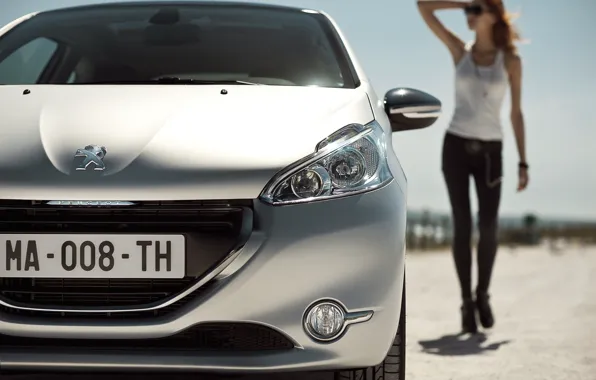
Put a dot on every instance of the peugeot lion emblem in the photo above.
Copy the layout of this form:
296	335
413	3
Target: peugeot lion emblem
92	156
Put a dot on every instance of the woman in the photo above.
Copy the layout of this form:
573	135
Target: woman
484	69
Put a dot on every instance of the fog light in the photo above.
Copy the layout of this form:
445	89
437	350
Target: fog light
325	321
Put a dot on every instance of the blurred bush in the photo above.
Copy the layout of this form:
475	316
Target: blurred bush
434	231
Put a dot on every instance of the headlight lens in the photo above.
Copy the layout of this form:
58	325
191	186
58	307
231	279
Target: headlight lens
351	160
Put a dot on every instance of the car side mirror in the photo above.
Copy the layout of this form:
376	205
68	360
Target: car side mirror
408	109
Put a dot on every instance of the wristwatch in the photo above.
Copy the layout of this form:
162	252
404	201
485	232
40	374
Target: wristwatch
523	165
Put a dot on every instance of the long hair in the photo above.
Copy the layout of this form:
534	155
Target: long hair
505	35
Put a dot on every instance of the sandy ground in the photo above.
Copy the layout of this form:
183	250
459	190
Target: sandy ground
545	309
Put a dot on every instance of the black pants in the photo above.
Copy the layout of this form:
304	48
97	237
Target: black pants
464	158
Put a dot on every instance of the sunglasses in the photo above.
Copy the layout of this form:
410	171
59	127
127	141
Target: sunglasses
475	10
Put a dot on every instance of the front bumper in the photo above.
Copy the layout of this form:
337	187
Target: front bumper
350	250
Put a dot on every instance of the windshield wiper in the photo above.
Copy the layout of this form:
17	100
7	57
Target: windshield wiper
177	80
173	80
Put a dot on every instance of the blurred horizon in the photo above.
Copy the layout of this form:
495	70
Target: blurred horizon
396	49
505	220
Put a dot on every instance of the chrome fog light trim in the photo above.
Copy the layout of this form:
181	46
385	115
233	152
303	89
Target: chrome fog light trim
327	320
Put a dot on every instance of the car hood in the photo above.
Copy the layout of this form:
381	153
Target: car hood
162	142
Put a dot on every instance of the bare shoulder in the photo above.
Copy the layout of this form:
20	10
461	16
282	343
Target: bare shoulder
513	62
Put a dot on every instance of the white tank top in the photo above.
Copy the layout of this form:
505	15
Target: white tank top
479	94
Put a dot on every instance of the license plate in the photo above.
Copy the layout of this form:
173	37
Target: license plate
92	256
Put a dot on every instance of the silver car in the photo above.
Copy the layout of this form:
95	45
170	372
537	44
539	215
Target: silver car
199	186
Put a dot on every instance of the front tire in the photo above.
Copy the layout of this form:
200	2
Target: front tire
394	365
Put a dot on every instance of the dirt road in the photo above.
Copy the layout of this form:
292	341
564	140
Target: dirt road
545	306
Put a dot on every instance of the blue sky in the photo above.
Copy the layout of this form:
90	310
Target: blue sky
396	49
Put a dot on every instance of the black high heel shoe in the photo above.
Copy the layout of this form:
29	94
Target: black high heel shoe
468	317
485	312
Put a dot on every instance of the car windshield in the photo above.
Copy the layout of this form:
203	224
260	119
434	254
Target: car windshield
181	43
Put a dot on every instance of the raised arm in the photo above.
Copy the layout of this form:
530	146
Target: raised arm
427	10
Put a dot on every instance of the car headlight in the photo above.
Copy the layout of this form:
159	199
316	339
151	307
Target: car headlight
350	161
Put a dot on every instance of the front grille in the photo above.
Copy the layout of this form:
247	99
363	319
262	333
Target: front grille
90	292
141	314
203	337
212	230
221	217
